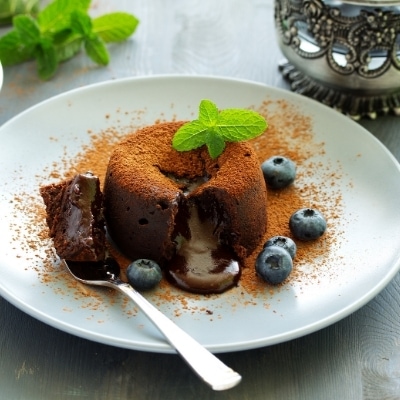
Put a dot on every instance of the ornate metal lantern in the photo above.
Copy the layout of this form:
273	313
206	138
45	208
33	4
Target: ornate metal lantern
345	54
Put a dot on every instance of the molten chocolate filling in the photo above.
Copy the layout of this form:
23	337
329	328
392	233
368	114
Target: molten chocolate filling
75	218
201	264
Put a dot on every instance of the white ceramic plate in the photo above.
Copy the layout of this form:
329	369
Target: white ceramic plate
365	258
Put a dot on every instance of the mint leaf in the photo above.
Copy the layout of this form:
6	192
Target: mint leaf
96	50
28	29
214	128
215	144
68	45
46	59
115	27
40	47
190	136
81	23
56	15
11	8
237	125
208	113
13	51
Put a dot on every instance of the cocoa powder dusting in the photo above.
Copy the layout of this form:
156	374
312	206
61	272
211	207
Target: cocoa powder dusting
289	134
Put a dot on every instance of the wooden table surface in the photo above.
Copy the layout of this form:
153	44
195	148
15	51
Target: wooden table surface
356	358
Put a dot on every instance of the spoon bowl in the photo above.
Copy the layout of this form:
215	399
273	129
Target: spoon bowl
208	367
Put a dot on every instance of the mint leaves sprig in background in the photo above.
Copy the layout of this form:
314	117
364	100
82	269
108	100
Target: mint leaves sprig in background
59	32
213	128
11	8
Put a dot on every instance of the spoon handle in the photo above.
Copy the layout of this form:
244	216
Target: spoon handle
213	371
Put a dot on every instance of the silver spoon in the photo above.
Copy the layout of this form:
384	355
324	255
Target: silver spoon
213	371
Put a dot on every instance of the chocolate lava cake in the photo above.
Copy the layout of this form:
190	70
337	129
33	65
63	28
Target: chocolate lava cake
74	215
150	189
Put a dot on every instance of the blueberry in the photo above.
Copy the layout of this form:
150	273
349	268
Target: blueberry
307	224
144	274
285	242
274	264
278	172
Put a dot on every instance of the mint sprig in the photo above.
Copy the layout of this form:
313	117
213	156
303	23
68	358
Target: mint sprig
59	32
11	8
214	128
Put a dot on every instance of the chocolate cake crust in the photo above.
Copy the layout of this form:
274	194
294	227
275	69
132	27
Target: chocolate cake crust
146	187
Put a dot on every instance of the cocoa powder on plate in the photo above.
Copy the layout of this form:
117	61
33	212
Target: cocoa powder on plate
290	134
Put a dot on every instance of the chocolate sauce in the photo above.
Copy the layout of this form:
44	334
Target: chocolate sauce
80	202
201	263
